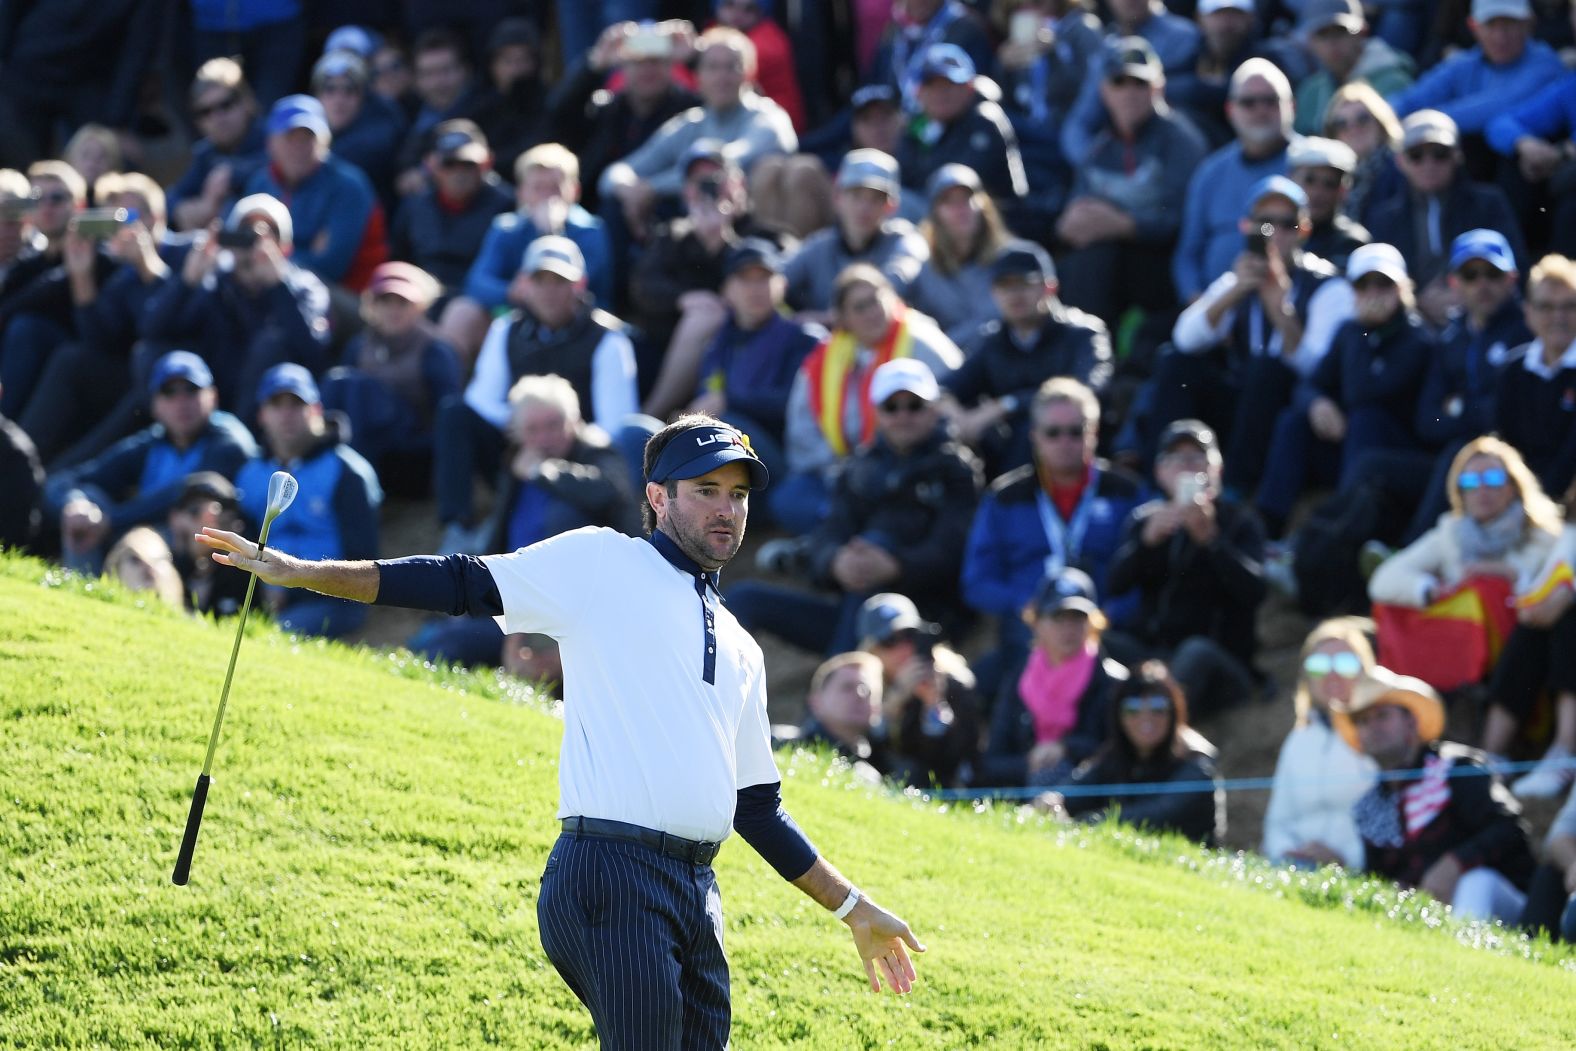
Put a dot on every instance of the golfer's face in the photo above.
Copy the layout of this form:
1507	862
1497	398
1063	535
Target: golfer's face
707	516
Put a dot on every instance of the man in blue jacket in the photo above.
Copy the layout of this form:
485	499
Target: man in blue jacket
1064	509
335	514
1536	134
138	480
547	196
1472	87
339	225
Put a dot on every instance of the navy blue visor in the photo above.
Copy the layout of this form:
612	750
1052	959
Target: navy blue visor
702	450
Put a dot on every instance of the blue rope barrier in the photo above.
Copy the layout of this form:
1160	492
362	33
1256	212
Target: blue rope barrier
1237	784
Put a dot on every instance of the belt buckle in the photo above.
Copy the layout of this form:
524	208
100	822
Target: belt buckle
705	852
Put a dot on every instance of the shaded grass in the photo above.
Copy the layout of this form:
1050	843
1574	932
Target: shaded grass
368	868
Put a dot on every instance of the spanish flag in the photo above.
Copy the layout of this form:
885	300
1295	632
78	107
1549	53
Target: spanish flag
1559	577
1455	640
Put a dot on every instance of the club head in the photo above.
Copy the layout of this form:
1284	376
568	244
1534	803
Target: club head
282	489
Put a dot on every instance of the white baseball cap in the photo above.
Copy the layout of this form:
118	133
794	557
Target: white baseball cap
555	255
1377	259
904	374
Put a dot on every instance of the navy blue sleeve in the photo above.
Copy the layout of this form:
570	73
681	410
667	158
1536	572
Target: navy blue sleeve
452	584
760	818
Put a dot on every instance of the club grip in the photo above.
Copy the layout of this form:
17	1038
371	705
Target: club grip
183	863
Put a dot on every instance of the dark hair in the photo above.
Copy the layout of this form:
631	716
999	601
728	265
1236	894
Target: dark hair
1149	679
440	39
654	446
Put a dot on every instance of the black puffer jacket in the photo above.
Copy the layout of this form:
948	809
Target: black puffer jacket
917	506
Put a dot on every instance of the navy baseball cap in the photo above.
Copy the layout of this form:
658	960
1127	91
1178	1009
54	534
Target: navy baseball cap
1487	245
947	62
1276	186
179	365
288	378
753	251
1021	259
885	615
1133	56
701	450
461	140
871	94
1071	589
299	111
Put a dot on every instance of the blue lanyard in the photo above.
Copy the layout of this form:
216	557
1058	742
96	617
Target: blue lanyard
1066	539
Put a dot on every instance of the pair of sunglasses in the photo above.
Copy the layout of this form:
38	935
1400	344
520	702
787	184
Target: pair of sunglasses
1492	478
1139	705
1346	665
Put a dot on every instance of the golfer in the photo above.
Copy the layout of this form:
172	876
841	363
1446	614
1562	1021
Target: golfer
665	747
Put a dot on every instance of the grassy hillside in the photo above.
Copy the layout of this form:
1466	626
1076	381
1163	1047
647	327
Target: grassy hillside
369	860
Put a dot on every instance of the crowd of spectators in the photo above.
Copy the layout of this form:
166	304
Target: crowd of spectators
1068	330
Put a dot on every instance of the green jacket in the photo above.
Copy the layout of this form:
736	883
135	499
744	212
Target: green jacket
1384	68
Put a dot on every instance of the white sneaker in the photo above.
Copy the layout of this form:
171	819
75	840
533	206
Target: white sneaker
1549	778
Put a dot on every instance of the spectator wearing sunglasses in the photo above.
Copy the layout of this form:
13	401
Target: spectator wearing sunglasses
1052	710
1064	508
1318	776
1323	168
1361	397
1259	108
1460	390
1238	352
367	128
1537	395
1440	204
1149	743
230	150
1336	33
1500	524
897	521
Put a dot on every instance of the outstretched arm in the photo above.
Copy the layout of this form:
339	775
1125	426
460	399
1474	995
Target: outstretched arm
357	581
883	940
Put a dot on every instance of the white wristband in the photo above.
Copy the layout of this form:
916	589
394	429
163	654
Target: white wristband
848	903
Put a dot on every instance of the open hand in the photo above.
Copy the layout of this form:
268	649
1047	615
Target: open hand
883	942
232	549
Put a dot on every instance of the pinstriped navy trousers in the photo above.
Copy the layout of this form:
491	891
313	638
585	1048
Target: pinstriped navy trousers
637	936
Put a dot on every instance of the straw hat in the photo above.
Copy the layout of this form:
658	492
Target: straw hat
1383	686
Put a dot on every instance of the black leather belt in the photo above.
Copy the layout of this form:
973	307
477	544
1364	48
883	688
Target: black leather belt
696	852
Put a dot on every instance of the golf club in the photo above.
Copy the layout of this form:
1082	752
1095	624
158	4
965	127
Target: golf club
282	489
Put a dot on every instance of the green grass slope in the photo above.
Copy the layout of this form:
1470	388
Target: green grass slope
368	867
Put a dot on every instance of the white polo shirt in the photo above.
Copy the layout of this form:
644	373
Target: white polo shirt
646	739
